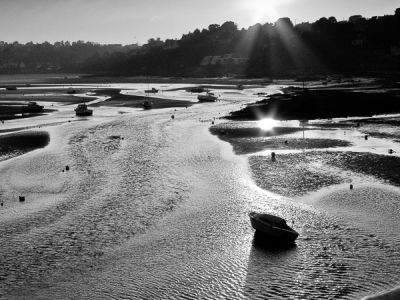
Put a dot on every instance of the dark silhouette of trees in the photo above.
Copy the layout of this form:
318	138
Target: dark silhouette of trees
358	45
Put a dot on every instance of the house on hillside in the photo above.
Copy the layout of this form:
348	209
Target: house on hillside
226	59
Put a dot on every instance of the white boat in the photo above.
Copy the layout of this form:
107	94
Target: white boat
273	228
82	110
209	97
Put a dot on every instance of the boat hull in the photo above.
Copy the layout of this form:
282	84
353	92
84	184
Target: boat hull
271	232
84	113
37	109
147	105
203	98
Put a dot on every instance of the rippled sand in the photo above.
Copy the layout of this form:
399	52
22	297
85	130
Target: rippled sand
154	207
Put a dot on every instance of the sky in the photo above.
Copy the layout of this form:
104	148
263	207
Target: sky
135	21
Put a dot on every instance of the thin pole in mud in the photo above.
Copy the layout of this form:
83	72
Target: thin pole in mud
304	147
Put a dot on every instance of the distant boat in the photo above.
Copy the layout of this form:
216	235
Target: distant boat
273	228
11	88
71	91
147	105
240	87
152	91
197	89
209	97
33	107
82	110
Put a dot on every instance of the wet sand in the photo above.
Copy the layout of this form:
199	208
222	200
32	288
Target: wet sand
162	213
325	103
247	140
15	144
311	170
117	99
294	175
12	102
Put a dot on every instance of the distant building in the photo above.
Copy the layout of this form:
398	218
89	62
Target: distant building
226	59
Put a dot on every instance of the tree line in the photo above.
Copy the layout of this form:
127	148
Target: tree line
357	45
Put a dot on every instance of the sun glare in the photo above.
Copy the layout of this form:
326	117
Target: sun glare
263	10
267	124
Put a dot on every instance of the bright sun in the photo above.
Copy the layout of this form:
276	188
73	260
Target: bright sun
267	124
263	10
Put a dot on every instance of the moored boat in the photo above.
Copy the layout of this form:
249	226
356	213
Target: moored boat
33	107
209	97
147	105
82	110
273	228
152	91
197	89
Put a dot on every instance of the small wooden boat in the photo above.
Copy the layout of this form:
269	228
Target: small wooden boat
33	107
273	228
209	97
152	91
197	89
147	105
82	110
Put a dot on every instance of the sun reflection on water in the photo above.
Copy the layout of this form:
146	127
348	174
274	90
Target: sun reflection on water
267	124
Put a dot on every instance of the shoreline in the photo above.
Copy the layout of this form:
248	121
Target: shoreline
133	101
324	103
392	294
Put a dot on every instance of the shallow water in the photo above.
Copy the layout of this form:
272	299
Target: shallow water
157	208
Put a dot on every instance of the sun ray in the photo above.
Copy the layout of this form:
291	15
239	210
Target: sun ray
263	10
